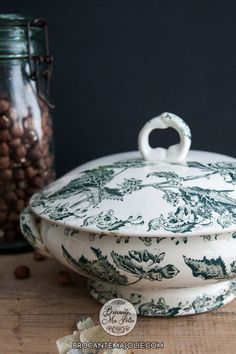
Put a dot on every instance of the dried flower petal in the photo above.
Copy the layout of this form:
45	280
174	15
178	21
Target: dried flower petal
94	334
74	351
84	323
87	332
64	344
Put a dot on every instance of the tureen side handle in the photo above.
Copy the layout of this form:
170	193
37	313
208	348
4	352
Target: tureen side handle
30	229
174	153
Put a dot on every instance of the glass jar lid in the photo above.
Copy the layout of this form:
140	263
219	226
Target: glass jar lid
155	193
26	39
21	36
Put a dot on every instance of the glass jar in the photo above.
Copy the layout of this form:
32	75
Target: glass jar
26	149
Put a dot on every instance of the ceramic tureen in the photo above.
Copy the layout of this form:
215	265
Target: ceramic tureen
156	227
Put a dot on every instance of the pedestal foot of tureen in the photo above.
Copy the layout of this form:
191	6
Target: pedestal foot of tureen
167	302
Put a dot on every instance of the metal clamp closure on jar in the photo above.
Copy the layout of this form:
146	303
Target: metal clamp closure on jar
36	61
26	38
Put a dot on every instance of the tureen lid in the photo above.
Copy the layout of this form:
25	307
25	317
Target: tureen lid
158	193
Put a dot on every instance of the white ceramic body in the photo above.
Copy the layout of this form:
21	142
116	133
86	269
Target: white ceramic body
147	242
161	276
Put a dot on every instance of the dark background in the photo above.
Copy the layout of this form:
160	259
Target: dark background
120	63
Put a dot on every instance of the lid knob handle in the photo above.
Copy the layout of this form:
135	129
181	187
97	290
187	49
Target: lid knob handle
174	153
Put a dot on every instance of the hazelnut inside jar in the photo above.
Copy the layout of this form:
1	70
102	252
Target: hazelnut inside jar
26	147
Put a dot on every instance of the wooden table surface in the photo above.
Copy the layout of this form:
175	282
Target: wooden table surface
35	312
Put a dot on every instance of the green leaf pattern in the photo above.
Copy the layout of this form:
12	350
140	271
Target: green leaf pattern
213	268
107	221
98	268
192	206
145	265
160	307
142	264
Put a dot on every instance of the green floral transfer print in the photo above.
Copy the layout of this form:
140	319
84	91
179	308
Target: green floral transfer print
200	206
233	267
184	127
99	267
145	265
200	304
160	307
124	239
92	184
213	268
192	206
100	293
226	169
148	241
107	221
25	227
30	228
142	264
103	295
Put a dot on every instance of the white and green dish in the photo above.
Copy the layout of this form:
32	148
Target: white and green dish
156	227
